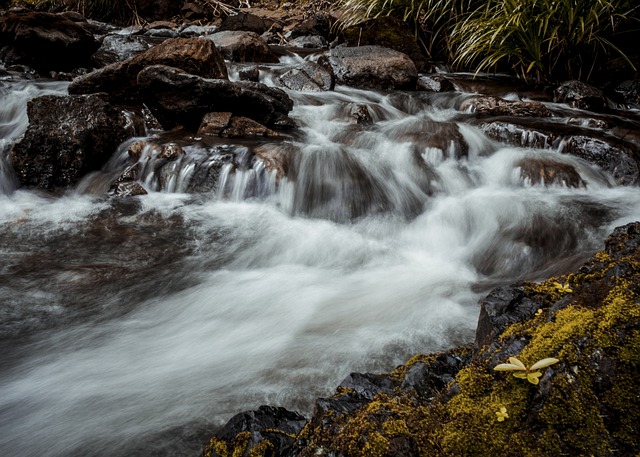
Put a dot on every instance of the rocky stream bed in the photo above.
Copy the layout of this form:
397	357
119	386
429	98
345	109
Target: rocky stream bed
206	217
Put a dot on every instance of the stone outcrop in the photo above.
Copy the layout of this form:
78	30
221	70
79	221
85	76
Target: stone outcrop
371	67
309	76
456	403
496	106
197	56
578	94
164	90
67	137
45	41
240	46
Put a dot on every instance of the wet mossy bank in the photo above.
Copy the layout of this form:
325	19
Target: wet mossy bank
456	404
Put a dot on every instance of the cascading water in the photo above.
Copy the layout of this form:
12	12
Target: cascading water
135	326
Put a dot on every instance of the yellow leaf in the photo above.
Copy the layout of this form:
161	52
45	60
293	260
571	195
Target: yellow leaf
543	363
517	362
508	367
533	377
521	375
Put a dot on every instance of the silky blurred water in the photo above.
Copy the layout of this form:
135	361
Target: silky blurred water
136	326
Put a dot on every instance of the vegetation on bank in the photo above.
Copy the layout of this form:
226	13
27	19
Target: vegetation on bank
540	40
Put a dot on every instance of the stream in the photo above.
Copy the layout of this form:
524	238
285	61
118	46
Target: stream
136	326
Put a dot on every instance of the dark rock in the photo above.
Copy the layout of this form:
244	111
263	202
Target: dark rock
206	176
502	307
127	189
277	158
241	46
308	76
164	90
319	24
243	127
611	155
251	73
389	32
371	67
151	10
214	123
73	16
629	92
192	31
45	41
309	42
197	56
116	48
429	379
277	426
171	151
359	114
67	137
247	22
618	160
580	95
435	83
549	172
494	106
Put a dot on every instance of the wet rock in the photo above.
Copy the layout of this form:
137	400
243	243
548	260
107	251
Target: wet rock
164	88
67	137
318	24
629	92
243	127
308	76
192	31
206	176
127	189
616	157
251	73
197	56
276	426
549	172
618	160
116	48
371	67
427	379
435	83
580	95
45	41
309	42
389	32
359	114
277	158
171	151
214	123
240	46
495	106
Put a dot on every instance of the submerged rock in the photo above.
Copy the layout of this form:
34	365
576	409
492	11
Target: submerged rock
549	172
67	137
495	106
45	41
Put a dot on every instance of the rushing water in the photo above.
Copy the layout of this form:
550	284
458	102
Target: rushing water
135	326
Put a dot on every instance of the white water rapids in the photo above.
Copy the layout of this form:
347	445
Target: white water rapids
136	327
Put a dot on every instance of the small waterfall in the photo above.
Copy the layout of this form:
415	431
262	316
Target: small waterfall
14	120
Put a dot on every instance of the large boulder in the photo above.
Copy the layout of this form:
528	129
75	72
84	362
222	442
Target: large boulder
45	41
578	94
67	137
308	76
240	46
116	48
371	67
389	32
179	98
197	56
496	106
